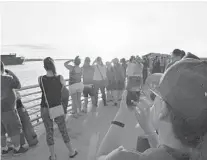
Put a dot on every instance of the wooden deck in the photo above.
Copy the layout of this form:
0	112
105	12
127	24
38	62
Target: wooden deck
80	131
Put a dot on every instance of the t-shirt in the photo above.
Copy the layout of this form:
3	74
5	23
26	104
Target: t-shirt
161	153
88	72
8	95
134	69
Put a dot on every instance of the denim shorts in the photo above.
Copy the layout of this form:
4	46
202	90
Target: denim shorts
88	90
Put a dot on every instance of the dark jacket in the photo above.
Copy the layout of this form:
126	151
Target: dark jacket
8	95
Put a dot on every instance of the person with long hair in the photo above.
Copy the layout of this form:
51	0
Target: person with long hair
119	82
130	67
88	72
51	85
75	85
111	79
100	79
124	65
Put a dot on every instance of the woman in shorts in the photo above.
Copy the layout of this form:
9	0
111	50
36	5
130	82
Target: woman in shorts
75	84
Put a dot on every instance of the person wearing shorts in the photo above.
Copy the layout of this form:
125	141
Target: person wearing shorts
111	79
75	85
119	82
100	80
89	90
10	122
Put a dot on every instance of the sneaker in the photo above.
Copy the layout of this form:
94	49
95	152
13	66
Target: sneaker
20	151
4	152
50	158
74	155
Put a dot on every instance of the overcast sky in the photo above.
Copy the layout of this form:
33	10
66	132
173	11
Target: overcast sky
108	29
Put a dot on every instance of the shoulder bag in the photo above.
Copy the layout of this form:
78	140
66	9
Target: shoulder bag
104	80
56	111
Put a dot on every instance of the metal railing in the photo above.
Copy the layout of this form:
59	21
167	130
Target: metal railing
34	98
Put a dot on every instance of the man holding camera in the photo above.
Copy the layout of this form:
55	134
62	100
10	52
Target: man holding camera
10	122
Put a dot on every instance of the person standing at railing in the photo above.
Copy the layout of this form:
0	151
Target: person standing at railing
10	122
75	85
100	79
88	72
111	79
119	82
51	86
28	130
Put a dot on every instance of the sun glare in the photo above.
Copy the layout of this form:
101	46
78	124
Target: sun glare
107	36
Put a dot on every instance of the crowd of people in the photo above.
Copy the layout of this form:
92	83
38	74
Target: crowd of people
172	104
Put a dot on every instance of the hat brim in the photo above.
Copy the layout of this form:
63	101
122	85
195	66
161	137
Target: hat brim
156	92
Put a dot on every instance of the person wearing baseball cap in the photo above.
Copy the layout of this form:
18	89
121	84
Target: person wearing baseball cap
181	100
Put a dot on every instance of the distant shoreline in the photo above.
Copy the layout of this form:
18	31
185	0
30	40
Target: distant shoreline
39	59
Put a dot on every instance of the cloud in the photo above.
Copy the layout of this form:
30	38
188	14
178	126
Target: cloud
31	46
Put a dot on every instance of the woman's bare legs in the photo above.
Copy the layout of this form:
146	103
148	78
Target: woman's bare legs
74	103
78	101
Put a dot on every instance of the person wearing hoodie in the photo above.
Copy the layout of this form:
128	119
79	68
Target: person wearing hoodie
10	122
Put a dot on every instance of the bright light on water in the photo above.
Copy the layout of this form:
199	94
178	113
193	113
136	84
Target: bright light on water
29	72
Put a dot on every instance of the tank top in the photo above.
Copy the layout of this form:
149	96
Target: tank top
74	77
53	90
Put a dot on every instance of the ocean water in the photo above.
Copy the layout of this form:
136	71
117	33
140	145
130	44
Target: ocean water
28	74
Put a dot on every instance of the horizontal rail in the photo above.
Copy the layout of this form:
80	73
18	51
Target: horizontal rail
31	100
34	112
28	94
37	120
28	87
32	86
33	106
39	117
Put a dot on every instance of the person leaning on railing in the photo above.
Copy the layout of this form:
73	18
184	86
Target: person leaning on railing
10	122
181	103
51	85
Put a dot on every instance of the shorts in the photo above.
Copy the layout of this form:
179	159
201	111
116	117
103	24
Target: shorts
76	87
10	123
89	90
118	85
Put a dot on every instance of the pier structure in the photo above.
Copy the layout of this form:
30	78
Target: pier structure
81	130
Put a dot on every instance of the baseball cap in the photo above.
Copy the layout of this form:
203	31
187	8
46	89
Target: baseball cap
184	88
190	55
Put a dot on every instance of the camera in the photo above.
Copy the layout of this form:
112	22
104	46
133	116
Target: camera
133	88
132	96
